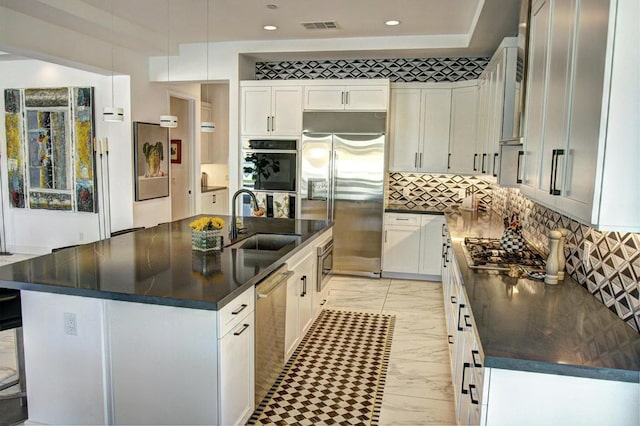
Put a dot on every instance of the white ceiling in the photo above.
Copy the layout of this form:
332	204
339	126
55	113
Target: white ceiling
142	25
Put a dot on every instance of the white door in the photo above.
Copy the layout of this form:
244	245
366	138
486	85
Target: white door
463	136
436	107
401	249
255	110
374	98
405	129
180	144
286	110
236	373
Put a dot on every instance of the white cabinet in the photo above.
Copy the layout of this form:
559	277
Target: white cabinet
412	245
499	112
267	110
581	132
300	292
363	95
235	371
215	202
419	126
207	151
463	133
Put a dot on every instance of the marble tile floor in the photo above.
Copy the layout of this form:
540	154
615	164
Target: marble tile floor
418	389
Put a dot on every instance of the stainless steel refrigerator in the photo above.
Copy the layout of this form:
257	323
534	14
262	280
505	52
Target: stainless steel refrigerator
342	179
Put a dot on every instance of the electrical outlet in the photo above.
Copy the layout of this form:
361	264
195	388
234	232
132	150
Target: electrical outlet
70	324
586	255
406	192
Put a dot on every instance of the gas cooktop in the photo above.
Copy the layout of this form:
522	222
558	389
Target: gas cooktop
485	253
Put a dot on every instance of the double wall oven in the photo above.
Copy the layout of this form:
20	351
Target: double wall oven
270	169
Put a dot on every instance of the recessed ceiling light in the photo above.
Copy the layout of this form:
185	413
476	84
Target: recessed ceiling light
392	23
270	27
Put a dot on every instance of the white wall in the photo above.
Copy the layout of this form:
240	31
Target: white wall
38	231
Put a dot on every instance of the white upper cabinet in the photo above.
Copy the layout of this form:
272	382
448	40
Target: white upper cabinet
270	110
498	107
419	126
583	103
361	95
464	130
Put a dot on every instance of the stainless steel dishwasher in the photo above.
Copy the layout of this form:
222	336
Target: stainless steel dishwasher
271	308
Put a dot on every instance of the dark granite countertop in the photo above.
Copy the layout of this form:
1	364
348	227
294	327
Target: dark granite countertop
204	189
157	266
524	324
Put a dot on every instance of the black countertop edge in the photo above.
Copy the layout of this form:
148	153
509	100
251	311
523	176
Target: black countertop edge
408	211
211	188
588	372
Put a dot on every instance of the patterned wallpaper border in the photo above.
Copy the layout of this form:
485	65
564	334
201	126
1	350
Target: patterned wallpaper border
396	70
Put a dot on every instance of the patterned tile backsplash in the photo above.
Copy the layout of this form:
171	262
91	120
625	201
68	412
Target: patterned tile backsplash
396	70
614	273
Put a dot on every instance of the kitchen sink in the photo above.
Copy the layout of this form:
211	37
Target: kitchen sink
268	242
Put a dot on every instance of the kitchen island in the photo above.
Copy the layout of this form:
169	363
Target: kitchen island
526	352
139	328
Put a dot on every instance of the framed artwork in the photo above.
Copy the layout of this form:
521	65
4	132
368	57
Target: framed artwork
176	151
151	160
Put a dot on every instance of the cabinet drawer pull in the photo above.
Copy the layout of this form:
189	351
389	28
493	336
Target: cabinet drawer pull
449	161
460	306
240	309
444	229
446	256
304	286
475	157
466	321
402	219
464	368
239	332
518	178
495	157
473	357
449	337
444	246
472	388
482	168
555	154
453	300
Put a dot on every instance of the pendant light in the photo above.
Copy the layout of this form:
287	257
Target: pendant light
207	126
168	120
112	113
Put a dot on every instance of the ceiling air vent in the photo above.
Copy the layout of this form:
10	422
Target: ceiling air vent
323	25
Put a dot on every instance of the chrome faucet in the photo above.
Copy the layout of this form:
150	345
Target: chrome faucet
233	234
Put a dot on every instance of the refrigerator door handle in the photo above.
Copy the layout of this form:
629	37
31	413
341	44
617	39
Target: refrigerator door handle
334	168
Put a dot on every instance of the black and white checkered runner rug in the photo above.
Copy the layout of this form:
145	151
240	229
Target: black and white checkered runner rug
336	376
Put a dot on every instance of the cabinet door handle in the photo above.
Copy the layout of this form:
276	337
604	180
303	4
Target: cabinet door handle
443	249
239	332
346	95
268	124
518	178
473	357
304	286
446	255
273	123
460	307
420	160
342	101
240	309
482	170
466	321
475	157
449	161
213	199
449	337
453	299
444	228
464	368
472	387
385	235
555	154
415	161
495	157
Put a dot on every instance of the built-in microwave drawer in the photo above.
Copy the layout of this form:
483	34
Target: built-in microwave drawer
401	219
230	315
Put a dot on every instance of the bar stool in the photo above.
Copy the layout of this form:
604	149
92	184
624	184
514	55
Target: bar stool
11	318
